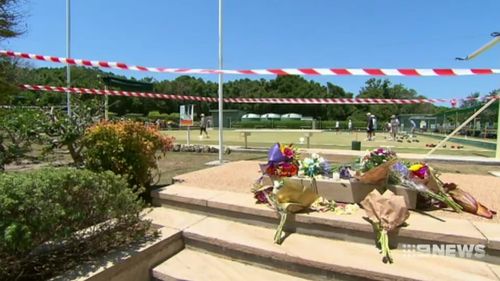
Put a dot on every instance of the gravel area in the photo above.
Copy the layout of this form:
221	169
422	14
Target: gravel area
240	176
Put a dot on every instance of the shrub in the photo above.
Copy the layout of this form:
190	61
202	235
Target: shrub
174	117
44	212
20	128
127	148
68	131
135	117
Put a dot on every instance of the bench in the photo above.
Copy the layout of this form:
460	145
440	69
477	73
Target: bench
307	133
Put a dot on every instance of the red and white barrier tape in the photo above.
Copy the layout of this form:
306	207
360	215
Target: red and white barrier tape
282	71
232	100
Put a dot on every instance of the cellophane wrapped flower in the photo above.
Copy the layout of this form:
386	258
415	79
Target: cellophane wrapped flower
282	161
375	158
420	178
314	166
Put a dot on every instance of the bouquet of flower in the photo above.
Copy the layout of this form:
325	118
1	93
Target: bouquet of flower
420	178
386	212
314	166
282	161
468	202
375	158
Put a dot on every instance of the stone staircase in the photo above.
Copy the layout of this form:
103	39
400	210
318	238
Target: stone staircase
227	236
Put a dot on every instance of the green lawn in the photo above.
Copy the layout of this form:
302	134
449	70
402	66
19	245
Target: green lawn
329	140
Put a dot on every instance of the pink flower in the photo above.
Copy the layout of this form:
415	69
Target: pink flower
288	152
261	195
421	172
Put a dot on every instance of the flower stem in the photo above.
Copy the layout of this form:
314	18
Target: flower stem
278	239
445	199
384	245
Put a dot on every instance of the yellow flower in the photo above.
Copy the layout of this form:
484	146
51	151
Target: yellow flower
415	167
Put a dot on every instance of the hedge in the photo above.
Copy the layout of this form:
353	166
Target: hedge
44	213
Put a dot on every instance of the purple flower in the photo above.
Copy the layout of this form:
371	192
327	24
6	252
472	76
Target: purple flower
344	173
401	169
275	154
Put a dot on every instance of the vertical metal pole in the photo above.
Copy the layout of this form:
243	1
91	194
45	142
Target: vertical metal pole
68	55
106	116
221	120
497	156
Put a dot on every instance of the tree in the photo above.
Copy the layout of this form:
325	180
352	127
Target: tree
20	128
68	131
471	100
376	88
10	19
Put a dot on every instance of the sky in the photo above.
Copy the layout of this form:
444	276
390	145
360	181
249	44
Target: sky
261	34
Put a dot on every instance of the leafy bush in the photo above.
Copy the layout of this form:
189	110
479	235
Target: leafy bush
174	116
68	131
20	129
126	148
135	117
154	115
53	219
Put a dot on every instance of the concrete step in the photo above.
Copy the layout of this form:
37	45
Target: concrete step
421	229
318	258
190	264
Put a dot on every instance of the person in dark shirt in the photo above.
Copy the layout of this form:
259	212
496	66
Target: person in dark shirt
203	126
369	127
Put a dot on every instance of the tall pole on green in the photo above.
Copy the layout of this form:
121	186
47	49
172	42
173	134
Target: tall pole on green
497	155
221	120
68	55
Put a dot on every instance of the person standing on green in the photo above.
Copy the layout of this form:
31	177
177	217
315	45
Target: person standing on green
394	127
203	126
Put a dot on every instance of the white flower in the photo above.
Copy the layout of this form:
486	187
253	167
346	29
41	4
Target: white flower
315	156
308	161
276	186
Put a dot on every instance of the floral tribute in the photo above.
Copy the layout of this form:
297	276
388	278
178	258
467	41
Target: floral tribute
380	167
288	195
425	180
386	212
374	168
314	166
282	161
420	178
375	158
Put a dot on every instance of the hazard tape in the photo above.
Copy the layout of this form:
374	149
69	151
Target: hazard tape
281	71
237	100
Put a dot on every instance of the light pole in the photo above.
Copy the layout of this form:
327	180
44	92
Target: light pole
221	120
68	54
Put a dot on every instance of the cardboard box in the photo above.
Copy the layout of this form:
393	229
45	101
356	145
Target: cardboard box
352	191
410	195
